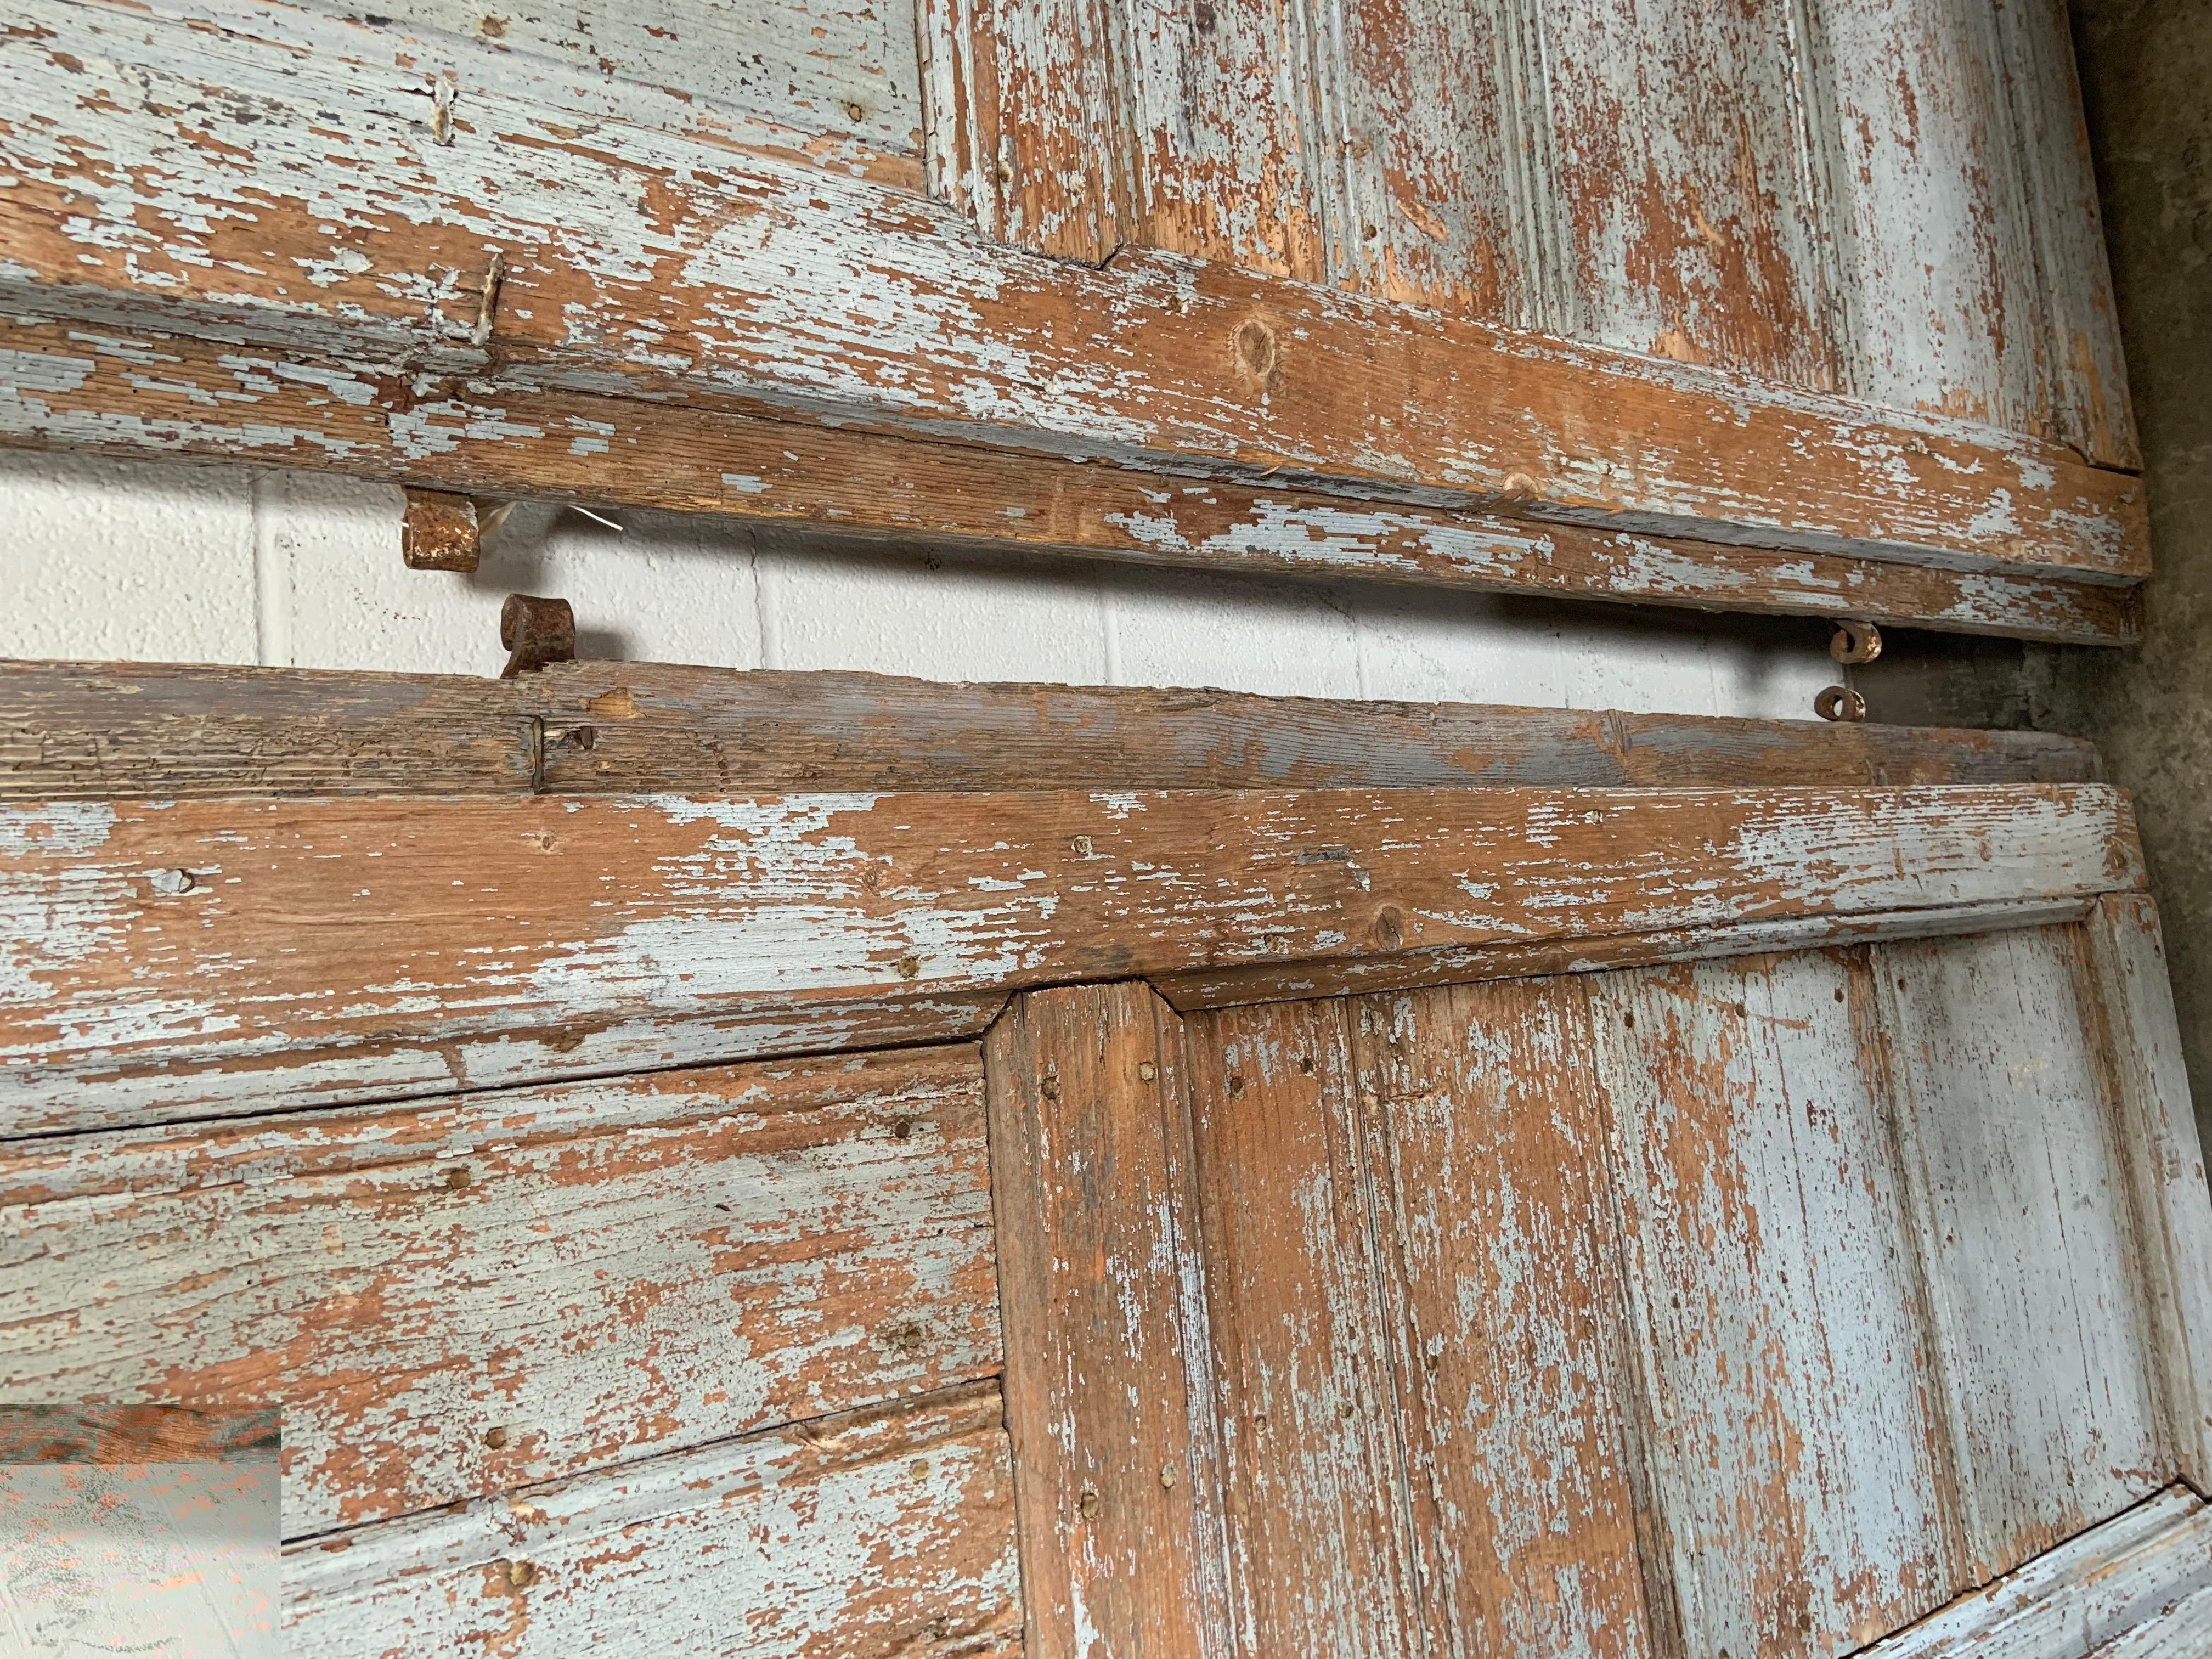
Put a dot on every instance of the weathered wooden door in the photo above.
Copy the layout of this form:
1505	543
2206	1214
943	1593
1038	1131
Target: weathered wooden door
1748	1306
1353	1220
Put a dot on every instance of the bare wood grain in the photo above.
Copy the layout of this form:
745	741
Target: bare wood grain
167	731
631	260
1322	1548
2021	1212
2126	1574
2155	1136
1109	1409
91	390
885	1532
175	731
218	957
1801	1471
450	1302
1486	1148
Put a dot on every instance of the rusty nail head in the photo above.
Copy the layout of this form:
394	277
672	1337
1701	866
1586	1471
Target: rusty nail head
521	1574
494	1439
1167	1475
1089	1501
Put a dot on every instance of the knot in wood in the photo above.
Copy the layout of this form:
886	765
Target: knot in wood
1257	354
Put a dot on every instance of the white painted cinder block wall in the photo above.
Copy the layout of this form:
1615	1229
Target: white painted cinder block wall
127	560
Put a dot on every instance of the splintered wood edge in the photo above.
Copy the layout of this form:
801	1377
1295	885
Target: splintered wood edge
1132	363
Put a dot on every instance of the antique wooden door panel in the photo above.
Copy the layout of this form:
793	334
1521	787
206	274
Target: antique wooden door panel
1792	1448
456	1298
1370	1221
611	1295
1107	1407
1519	295
2006	1132
1757	1305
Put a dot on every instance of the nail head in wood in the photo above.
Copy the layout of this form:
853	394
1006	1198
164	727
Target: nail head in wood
439	531
536	631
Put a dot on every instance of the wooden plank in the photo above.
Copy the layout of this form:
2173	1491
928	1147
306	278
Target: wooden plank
709	732
886	1532
108	730
2141	1058
1975	275
1226	988
1321	1551
94	389
1437	206
1800	1470
136	1434
167	731
1108	1402
1485	1149
1023	125
1690	227
2020	1210
211	958
457	1300
836	80
625	264
2084	367
2182	1631
2087	1592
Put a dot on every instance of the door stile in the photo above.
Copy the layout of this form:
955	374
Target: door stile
1109	1403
